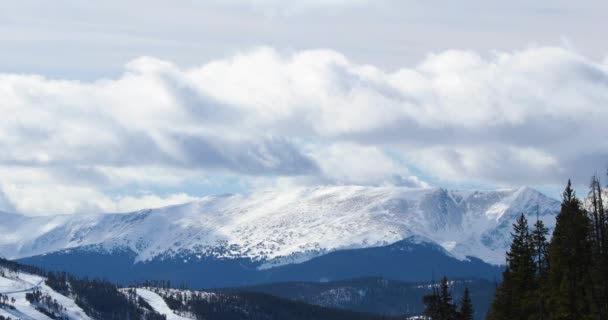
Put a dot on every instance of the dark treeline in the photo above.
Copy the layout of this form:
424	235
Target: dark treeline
163	284
439	304
245	305
565	278
15	266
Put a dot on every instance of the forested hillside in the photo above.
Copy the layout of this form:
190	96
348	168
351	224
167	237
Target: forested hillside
566	277
31	293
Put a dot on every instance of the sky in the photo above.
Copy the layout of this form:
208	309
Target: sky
116	106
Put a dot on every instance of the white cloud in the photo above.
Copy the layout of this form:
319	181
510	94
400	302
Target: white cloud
5	203
47	200
506	166
133	203
360	164
534	116
35	199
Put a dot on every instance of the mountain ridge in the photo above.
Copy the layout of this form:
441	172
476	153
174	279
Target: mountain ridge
291	226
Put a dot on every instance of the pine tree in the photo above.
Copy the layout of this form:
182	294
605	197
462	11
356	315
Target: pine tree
540	247
503	299
439	305
568	280
447	309
513	298
599	239
431	304
466	306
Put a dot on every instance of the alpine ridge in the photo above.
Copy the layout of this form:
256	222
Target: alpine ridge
291	226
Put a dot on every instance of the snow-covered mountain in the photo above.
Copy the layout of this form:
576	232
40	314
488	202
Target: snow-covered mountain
15	285
283	227
28	293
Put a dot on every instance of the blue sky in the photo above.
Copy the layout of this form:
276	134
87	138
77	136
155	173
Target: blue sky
119	106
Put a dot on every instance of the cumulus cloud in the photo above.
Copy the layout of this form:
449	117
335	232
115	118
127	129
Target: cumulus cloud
535	116
459	115
347	163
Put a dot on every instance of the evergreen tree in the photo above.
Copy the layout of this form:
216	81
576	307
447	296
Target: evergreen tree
503	299
514	296
439	305
568	280
431	304
447	309
466	306
599	251
540	247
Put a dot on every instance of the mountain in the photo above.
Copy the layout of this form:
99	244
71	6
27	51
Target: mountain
30	293
378	295
407	260
275	230
16	285
180	304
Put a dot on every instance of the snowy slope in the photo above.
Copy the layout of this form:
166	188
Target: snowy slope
280	227
17	284
158	304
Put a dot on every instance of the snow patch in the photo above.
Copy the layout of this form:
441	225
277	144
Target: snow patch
158	304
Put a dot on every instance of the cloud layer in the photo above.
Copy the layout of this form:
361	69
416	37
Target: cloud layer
535	116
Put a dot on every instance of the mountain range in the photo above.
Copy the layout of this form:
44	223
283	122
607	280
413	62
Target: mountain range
300	234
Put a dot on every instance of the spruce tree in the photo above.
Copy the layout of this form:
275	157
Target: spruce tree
599	251
447	309
431	304
540	247
513	298
439	305
466	306
568	280
500	309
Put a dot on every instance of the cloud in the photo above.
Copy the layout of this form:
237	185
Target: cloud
531	116
133	203
348	163
494	166
278	7
43	199
5	203
135	120
535	116
46	200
